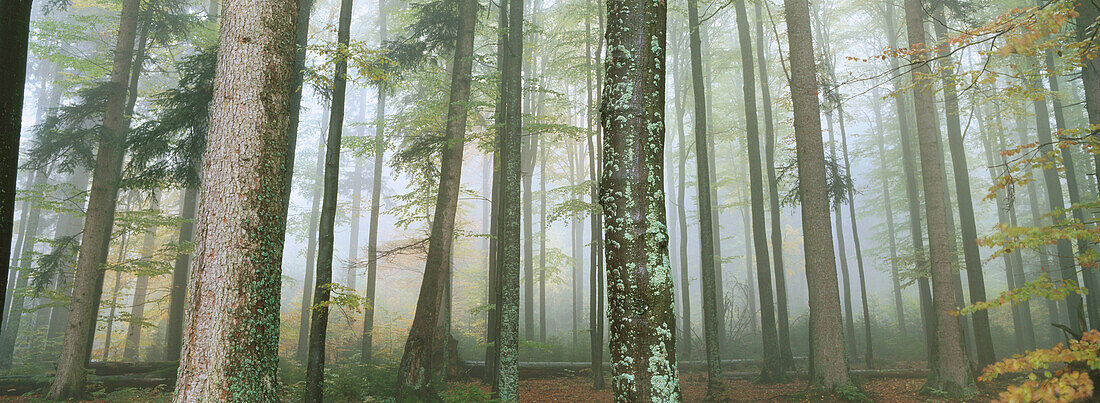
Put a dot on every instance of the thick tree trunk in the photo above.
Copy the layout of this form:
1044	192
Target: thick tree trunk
772	368
640	286
785	355
318	329
15	18
949	370
367	344
232	317
141	287
99	218
975	279
304	315
178	295
420	367
829	367
711	320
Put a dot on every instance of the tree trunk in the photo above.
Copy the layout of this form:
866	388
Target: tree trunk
577	286
232	319
15	16
367	348
829	367
596	279
529	144
949	370
109	332
711	320
178	294
1089	13
975	279
869	351
420	368
99	218
888	205
26	266
304	316
772	365
640	286
542	242
141	286
13	275
70	226
681	210
318	329
785	355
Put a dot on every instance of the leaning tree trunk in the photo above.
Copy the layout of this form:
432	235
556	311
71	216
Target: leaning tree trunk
640	286
975	279
99	219
141	287
15	18
785	355
772	368
318	328
420	368
711	323
367	344
232	319
949	370
829	367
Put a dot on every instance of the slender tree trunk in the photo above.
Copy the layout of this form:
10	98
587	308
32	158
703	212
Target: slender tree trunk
640	286
13	275
232	319
542	242
888	205
577	285
975	279
367	348
353	227
26	265
70	226
785	355
110	332
949	370
304	316
420	368
842	249
318	330
596	293
99	220
178	294
829	367
15	18
141	286
869	351
528	145
772	368
711	321
685	344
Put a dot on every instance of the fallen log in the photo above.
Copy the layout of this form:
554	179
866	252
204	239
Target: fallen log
124	368
19	384
856	373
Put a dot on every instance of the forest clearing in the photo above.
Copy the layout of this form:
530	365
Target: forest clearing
550	200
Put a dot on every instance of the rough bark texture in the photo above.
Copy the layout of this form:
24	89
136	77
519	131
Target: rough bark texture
829	366
640	286
772	368
421	367
975	279
366	347
232	316
509	142
178	294
711	320
949	370
318	328
15	20
99	218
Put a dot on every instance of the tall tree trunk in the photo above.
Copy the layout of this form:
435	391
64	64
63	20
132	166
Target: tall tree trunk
542	242
785	355
715	212
99	219
975	279
232	317
304	316
13	275
26	266
1088	15
351	279
685	342
772	365
70	226
15	18
577	284
711	321
596	276
178	294
869	351
912	190
109	331
949	370
829	367
318	328
528	145
888	205
640	286
141	286
420	368
367	348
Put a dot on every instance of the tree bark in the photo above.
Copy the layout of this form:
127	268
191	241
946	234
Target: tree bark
232	316
178	294
542	241
829	366
711	320
367	346
141	286
71	226
1088	14
304	316
26	265
420	368
99	219
640	286
949	370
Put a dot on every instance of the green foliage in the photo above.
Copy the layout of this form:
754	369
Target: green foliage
465	392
